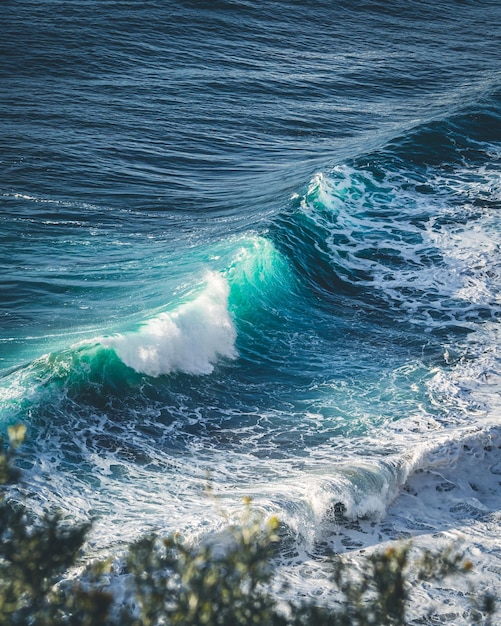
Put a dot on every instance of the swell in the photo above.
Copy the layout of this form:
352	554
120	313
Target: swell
405	234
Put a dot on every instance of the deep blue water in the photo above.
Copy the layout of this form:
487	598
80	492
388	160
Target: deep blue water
255	240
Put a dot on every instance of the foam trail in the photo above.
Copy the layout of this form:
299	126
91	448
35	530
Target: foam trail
189	339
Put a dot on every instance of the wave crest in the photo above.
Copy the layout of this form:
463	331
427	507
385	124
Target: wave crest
188	339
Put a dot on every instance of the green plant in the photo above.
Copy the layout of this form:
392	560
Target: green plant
35	555
209	584
379	595
225	581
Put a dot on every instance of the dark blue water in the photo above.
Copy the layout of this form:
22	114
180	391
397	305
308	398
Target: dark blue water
255	240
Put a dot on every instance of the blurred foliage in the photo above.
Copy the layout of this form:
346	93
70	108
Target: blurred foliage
225	581
219	583
36	554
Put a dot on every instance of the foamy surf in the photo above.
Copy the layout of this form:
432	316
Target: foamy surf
433	255
190	338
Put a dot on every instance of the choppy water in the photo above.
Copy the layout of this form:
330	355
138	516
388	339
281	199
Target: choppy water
257	242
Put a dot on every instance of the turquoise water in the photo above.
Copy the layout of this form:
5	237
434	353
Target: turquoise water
258	245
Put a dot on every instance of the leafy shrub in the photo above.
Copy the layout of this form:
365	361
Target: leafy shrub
223	582
35	556
186	586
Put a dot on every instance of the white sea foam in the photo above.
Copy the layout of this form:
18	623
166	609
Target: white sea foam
439	261
187	339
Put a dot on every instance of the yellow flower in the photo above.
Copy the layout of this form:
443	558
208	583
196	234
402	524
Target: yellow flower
16	434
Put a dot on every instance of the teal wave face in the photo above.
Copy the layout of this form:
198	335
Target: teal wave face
86	374
259	278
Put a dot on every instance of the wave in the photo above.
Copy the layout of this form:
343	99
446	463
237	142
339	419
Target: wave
188	339
190	335
388	241
403	236
409	231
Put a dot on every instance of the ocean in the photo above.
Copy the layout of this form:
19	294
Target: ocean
252	249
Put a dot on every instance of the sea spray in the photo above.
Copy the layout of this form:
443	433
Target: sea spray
187	339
